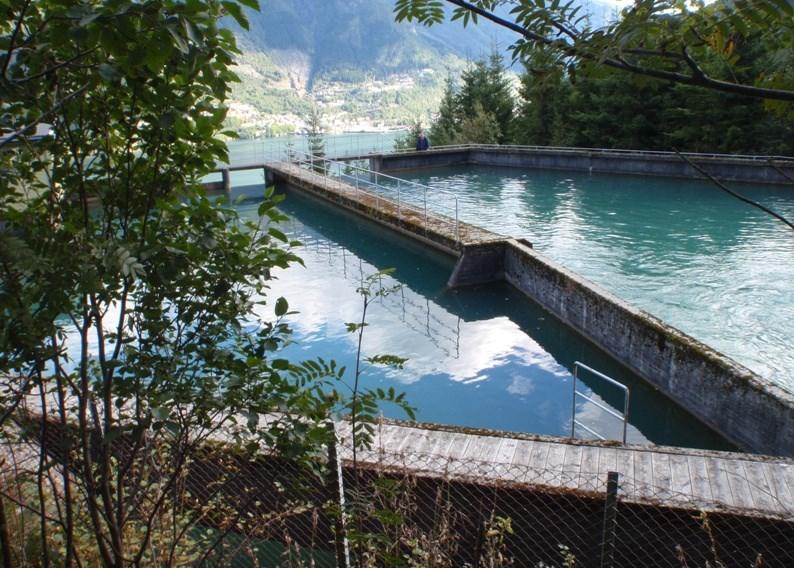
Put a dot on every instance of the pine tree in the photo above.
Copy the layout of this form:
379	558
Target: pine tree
445	127
499	98
480	127
542	93
485	86
316	137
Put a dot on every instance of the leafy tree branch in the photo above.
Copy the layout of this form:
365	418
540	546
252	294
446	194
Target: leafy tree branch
662	39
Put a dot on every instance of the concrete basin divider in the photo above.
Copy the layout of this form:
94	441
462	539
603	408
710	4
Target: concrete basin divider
754	413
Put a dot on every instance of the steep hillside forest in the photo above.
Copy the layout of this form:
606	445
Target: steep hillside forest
597	107
353	62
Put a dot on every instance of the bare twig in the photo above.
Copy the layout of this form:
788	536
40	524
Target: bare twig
729	191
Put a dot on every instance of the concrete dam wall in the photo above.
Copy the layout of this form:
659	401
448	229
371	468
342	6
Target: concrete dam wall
737	169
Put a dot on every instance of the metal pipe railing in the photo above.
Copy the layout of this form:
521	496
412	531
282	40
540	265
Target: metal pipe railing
267	152
620	151
421	197
624	417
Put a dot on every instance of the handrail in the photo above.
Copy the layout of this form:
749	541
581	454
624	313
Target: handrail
380	174
571	149
326	167
273	154
626	395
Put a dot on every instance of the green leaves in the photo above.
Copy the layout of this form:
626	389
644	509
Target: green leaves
663	39
253	4
234	10
427	12
387	360
281	307
355	327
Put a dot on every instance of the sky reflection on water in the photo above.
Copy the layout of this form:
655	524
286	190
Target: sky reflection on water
481	357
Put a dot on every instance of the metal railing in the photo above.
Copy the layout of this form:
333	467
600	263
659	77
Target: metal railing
406	195
269	152
603	151
417	313
624	416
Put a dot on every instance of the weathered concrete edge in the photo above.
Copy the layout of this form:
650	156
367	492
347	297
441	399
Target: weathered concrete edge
433	238
479	263
752	412
726	168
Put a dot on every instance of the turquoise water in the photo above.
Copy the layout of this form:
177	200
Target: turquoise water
482	357
710	265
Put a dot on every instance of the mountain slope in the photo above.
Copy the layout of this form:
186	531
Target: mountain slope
359	34
350	58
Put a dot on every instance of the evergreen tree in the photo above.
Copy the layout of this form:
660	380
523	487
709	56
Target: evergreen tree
480	127
613	110
485	97
541	93
485	84
499	98
445	127
316	137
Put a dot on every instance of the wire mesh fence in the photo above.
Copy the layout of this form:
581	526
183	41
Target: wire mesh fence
436	508
518	515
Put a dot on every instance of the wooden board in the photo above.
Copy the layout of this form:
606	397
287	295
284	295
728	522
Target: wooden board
694	478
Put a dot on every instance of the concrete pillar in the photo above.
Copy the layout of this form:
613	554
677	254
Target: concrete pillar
270	177
479	264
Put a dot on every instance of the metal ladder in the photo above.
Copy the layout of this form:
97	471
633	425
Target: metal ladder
624	416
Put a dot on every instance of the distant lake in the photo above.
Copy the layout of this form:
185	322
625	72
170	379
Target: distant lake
256	151
247	151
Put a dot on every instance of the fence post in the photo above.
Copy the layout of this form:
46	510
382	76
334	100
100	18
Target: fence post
336	485
399	209
425	204
227	183
610	520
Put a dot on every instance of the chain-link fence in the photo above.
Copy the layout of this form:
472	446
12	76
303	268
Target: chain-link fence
433	509
439	509
482	513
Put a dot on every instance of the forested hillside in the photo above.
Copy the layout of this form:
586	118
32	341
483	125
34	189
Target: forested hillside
567	106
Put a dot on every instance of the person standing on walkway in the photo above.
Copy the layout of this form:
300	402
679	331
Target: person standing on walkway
422	143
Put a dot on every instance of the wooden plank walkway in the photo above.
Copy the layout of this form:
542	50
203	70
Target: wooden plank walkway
675	477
